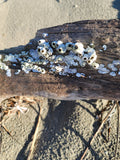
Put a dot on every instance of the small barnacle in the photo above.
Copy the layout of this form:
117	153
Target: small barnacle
58	43
75	64
104	47
11	58
50	51
45	62
43	51
90	61
46	45
8	73
45	35
69	46
39	48
78	48
61	49
80	75
53	57
103	70
59	68
119	73
85	57
112	74
83	64
101	66
0	56
39	69
95	65
92	55
53	44
43	71
112	67
59	59
41	41
16	73
116	62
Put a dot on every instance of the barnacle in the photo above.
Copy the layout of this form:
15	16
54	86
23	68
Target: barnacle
80	75
43	51
58	43
53	44
112	67
112	74
78	48
85	57
103	70
45	35
69	46
41	41
50	51
116	62
63	58
95	65
61	48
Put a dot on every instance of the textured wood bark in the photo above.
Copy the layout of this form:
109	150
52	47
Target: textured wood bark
94	86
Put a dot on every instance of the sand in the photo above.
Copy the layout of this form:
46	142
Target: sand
67	126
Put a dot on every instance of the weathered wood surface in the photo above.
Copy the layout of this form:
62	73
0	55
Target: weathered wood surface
99	86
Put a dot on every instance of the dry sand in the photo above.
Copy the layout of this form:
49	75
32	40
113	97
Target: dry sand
67	126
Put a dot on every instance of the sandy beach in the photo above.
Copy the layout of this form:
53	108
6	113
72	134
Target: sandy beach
67	126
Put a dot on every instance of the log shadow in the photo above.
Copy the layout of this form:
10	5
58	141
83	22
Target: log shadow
55	122
116	5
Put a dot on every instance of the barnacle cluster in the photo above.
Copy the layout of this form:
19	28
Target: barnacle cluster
59	58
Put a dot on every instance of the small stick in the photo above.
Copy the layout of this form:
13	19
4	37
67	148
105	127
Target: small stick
3	126
116	148
104	120
34	137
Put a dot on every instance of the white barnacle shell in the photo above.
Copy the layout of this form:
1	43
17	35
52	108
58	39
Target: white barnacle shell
38	49
41	41
75	64
58	43
78	48
85	57
0	56
53	44
112	67
8	72
45	35
18	71
43	51
104	47
59	68
83	64
92	55
59	59
53	57
95	65
103	70
112	74
116	62
101	66
11	58
46	45
90	61
50	51
80	75
61	48
69	46
43	71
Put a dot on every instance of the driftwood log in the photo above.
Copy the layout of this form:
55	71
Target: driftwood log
97	86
